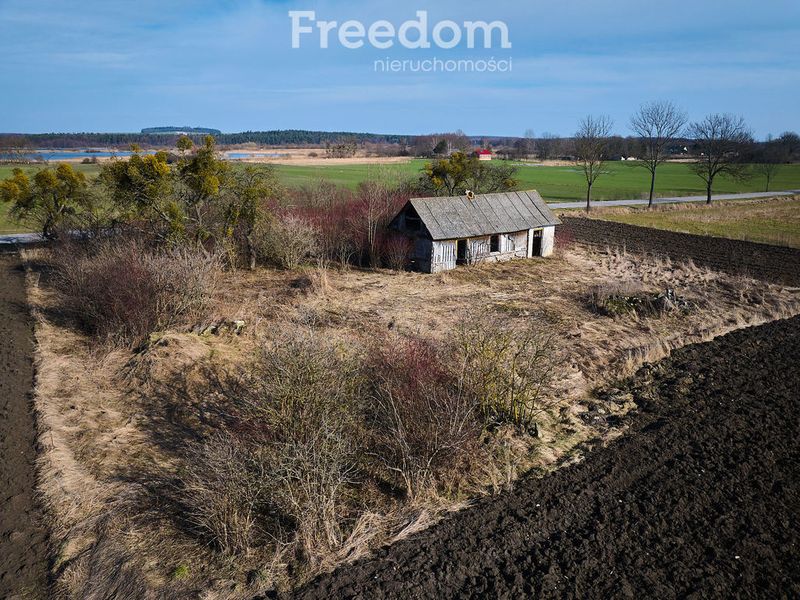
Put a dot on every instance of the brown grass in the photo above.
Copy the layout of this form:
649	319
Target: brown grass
111	426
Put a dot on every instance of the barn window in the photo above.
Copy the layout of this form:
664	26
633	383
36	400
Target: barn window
494	243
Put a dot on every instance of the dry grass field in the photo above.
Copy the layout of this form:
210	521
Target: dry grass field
114	423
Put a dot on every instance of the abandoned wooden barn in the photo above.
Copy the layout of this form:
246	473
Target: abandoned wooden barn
456	230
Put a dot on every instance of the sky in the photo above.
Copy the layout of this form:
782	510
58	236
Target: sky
107	65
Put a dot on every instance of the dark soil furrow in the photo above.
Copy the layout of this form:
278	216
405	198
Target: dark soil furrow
699	499
23	541
777	264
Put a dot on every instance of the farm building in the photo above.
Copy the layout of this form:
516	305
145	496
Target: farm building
484	154
456	230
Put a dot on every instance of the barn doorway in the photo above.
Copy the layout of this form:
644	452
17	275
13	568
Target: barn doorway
536	243
461	252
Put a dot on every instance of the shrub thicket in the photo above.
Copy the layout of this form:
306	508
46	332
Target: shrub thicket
120	290
294	433
317	434
509	369
423	421
352	227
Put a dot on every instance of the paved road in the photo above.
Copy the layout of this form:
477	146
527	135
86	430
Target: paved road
675	199
20	238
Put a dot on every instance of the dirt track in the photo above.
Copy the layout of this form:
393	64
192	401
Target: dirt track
23	541
701	498
761	261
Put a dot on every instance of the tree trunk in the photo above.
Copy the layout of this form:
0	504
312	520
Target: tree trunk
47	226
652	188
589	198
768	178
708	193
251	251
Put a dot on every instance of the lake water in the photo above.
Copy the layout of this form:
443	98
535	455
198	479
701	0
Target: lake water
56	155
240	155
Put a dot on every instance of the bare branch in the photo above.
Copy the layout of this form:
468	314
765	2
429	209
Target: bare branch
656	124
591	149
720	140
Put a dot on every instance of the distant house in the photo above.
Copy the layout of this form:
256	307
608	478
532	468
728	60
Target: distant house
484	154
456	230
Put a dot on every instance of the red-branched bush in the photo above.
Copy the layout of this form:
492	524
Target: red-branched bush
352	226
121	291
396	250
422	420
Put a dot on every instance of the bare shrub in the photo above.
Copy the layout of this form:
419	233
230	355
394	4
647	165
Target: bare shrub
509	370
285	463
287	241
422	419
221	489
302	402
396	250
121	291
313	477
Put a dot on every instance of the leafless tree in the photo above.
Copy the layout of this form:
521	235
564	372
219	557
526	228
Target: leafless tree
529	141
767	170
375	196
591	142
719	140
769	159
342	149
547	145
657	124
14	148
790	142
458	141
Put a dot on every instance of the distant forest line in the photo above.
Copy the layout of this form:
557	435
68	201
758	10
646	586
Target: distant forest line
290	137
344	144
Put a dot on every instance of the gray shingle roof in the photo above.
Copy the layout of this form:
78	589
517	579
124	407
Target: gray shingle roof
454	217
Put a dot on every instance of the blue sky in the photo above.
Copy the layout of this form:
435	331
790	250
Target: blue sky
105	65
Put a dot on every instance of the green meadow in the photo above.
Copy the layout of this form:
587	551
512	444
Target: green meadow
555	183
563	183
